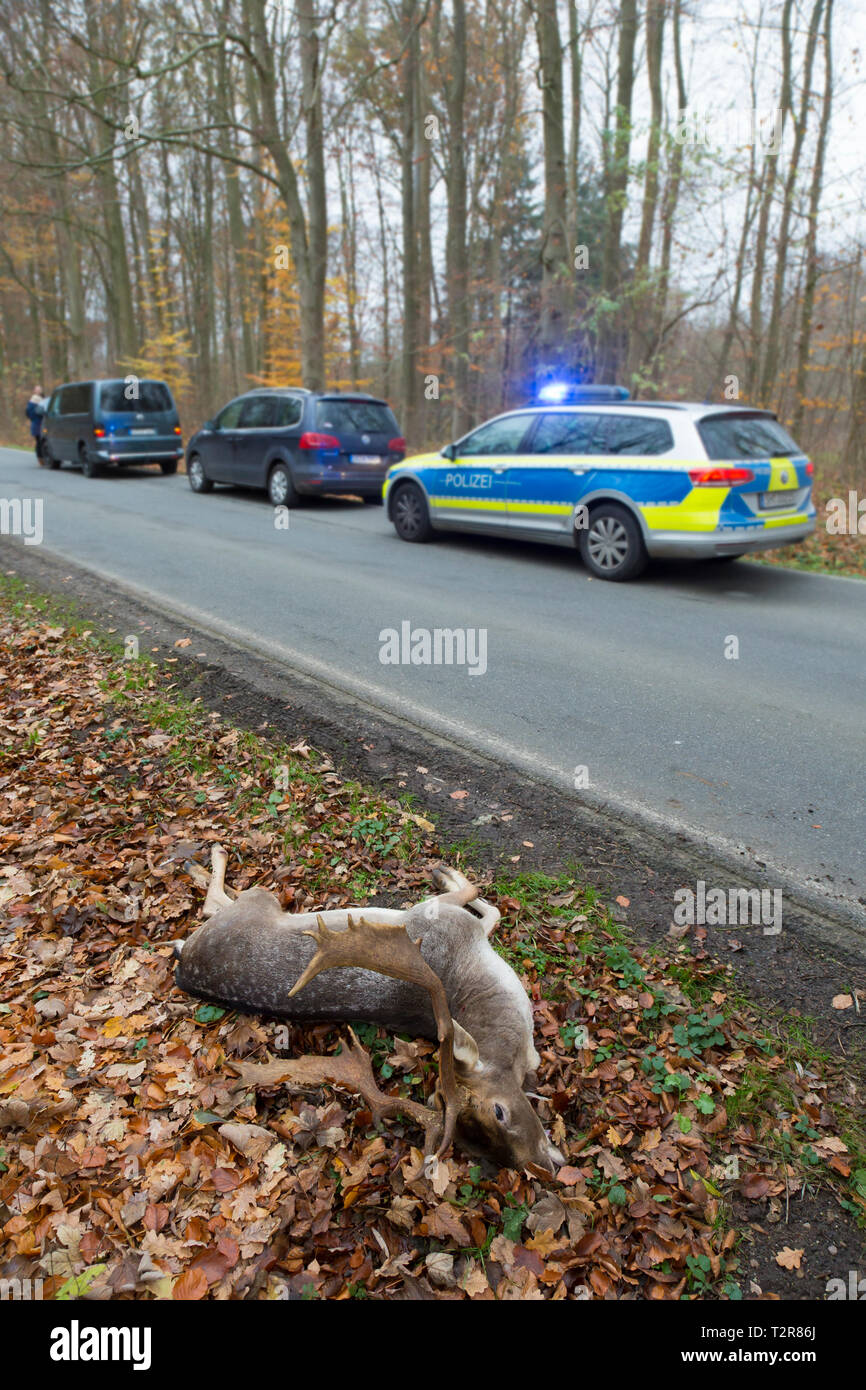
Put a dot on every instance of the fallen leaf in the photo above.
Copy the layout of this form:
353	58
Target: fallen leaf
191	1286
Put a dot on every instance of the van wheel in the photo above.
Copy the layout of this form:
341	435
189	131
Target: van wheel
612	546
88	467
281	490
410	514
196	476
168	465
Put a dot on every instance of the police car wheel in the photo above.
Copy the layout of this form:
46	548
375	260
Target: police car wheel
410	515
611	546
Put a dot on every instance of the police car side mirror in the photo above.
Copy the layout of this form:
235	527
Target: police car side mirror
450	452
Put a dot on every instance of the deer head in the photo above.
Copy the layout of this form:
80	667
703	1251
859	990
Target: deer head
483	1104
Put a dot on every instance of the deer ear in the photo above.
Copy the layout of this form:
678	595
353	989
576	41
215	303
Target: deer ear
465	1049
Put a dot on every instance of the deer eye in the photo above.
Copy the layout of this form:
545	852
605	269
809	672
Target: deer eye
499	1114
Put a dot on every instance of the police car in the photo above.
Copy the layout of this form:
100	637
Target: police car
624	481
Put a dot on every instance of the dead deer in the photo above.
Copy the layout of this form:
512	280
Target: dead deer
429	970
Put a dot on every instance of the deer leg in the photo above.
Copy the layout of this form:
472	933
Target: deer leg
217	896
489	914
458	890
464	894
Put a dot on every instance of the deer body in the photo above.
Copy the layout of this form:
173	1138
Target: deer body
251	955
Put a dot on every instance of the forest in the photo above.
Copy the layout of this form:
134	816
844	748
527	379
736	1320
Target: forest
443	202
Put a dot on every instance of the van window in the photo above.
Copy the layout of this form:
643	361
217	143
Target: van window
289	412
75	400
632	434
228	418
119	397
355	417
565	433
745	437
258	412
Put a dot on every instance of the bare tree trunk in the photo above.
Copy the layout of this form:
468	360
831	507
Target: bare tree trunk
610	336
672	193
422	163
639	339
410	384
456	251
572	172
771	356
348	240
317	231
386	279
308	241
556	274
768	187
815	190
239	260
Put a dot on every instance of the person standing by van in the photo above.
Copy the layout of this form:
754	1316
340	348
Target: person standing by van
35	412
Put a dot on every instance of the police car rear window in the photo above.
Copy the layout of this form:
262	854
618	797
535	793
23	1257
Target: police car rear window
632	434
146	397
562	432
745	437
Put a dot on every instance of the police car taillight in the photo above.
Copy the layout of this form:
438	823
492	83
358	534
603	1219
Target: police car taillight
720	477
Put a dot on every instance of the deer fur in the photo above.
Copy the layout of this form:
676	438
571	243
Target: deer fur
249	954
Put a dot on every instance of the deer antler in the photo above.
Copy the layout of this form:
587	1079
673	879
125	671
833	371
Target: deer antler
350	1068
387	949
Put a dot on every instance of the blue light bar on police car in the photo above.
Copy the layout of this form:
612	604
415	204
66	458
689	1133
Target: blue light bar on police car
556	392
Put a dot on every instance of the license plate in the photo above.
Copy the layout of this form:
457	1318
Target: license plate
767	501
142	431
365	458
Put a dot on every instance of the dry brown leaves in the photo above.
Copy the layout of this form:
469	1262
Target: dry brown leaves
132	1164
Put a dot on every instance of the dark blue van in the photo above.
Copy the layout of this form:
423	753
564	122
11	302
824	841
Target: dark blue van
112	422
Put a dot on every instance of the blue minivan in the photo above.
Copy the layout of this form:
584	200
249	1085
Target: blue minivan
288	442
112	422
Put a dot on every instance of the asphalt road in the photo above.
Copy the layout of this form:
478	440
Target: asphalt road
764	755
